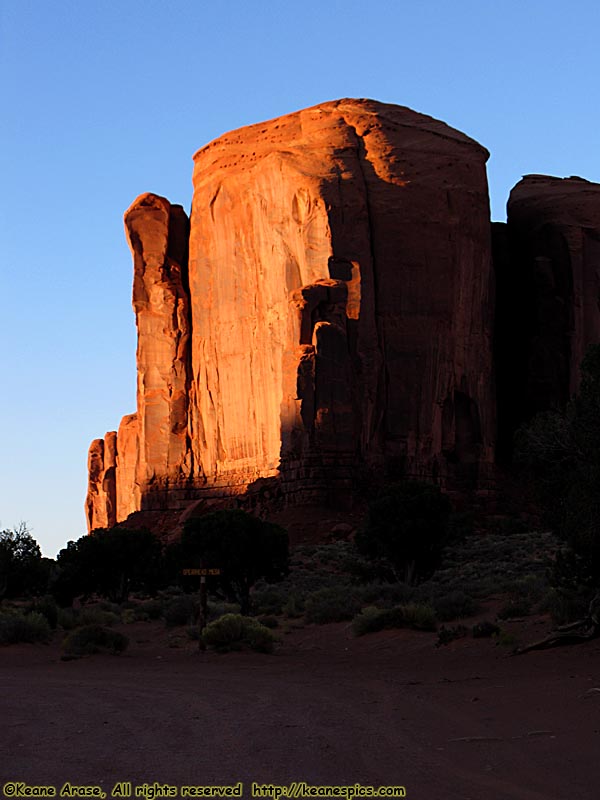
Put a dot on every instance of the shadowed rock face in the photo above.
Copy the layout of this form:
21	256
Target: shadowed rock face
337	315
548	272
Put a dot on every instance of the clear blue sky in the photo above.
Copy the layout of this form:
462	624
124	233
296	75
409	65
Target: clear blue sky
103	100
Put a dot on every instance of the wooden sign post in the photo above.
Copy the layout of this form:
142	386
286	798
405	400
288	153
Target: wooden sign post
202	572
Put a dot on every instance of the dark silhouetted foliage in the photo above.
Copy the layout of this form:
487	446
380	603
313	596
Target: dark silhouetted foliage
243	547
561	452
23	570
109	563
408	525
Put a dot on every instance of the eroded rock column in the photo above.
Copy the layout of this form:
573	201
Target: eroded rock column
158	237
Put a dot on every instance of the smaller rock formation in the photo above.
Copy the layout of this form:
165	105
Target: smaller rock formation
158	237
547	261
101	500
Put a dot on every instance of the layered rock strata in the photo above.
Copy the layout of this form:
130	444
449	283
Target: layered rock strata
336	316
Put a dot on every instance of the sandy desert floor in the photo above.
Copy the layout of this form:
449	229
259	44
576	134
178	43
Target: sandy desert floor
462	722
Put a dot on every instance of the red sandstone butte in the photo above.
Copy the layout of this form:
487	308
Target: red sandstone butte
554	225
341	299
338	314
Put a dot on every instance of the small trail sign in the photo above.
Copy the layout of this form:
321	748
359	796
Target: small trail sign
202	571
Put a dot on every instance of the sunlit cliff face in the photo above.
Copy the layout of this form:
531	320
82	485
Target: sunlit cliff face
339	271
338	299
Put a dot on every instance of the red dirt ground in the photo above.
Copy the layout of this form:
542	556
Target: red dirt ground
462	722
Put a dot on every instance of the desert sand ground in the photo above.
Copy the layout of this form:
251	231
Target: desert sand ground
462	722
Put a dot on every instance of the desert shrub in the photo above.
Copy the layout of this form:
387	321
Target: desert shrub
47	608
235	632
219	609
411	615
95	615
259	637
18	627
386	595
91	639
268	600
485	629
370	620
293	607
69	618
565	605
180	611
419	616
225	632
515	608
454	605
408	525
131	615
331	605
447	635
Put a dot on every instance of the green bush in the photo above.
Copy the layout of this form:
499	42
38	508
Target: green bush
236	632
331	605
566	605
70	618
258	636
293	608
67	618
514	609
447	635
419	616
268	600
47	608
180	611
18	627
216	610
92	639
412	615
455	605
370	620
